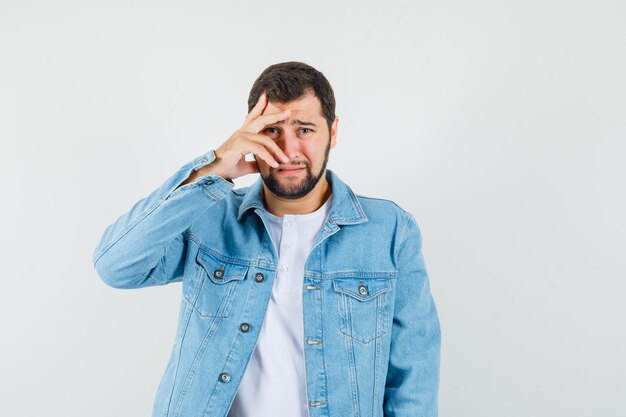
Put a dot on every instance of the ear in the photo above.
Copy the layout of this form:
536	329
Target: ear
333	132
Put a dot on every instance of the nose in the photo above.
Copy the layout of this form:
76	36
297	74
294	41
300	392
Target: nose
288	143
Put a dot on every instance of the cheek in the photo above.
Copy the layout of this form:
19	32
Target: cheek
312	150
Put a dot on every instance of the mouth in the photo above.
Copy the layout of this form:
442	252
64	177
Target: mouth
289	170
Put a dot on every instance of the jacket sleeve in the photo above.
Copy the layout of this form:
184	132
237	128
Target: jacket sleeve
145	246
412	382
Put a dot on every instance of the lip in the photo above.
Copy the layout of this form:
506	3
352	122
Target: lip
289	170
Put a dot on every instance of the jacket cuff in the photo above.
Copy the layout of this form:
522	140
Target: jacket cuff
206	159
203	160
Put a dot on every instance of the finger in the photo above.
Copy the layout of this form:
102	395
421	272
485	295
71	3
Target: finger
269	144
258	108
260	122
260	151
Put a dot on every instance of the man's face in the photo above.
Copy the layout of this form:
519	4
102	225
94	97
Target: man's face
305	138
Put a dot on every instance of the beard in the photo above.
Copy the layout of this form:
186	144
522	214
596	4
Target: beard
295	190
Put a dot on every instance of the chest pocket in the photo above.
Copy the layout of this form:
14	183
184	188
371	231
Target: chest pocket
216	286
363	306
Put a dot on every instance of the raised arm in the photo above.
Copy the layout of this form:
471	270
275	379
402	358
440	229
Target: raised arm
146	246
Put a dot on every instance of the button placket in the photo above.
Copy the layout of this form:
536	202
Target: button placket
287	238
286	256
313	342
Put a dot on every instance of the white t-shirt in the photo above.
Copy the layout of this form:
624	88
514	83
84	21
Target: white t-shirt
274	383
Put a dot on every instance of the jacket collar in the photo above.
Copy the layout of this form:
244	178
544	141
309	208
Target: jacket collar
345	207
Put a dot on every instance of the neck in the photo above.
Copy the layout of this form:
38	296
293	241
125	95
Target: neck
307	204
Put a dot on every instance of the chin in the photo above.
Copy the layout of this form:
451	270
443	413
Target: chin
288	189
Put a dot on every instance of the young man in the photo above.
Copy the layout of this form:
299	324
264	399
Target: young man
300	298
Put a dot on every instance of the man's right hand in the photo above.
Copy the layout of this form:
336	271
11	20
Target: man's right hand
230	159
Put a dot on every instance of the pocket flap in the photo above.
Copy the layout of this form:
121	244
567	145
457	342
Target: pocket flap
219	271
362	288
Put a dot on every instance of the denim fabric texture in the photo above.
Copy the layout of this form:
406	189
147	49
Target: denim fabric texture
371	329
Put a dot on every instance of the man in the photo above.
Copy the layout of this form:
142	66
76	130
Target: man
300	298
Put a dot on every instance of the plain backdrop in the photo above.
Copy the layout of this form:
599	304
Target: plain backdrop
500	125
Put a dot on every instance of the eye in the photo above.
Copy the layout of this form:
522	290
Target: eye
271	130
306	130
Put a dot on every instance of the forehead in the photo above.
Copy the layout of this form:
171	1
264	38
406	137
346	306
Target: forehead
307	105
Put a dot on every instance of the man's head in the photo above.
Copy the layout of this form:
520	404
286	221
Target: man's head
288	81
309	132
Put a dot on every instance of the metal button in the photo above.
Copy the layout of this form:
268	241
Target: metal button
258	277
244	327
362	289
224	377
218	273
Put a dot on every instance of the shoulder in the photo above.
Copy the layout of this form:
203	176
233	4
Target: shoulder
374	205
385	210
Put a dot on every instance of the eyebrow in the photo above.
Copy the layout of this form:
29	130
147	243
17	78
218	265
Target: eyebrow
298	122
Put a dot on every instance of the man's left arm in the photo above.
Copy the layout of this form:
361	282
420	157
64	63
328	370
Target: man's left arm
412	382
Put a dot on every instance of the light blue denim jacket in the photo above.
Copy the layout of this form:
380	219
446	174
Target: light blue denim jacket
371	329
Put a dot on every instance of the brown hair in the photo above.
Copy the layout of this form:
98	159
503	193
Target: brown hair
291	80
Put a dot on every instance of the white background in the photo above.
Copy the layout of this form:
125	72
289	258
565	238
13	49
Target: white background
499	124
